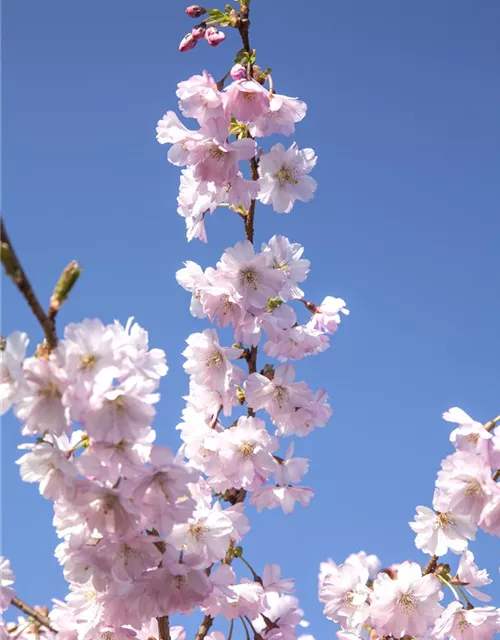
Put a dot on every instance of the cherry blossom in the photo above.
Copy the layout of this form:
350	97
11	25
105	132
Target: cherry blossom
12	354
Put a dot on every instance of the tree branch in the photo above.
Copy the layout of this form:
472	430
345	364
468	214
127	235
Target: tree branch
204	627
15	271
32	613
163	628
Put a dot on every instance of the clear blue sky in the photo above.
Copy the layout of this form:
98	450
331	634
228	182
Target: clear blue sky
403	113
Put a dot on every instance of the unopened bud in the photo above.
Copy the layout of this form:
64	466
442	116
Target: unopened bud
256	72
214	37
240	395
9	262
195	11
187	43
64	285
238	552
268	371
199	31
238	72
234	16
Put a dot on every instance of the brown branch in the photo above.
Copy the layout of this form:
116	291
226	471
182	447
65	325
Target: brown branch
16	272
430	566
163	628
32	613
204	627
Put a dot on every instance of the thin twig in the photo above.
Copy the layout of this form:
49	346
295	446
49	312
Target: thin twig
430	566
32	613
204	627
16	272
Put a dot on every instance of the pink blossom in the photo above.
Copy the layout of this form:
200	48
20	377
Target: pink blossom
408	605
286	256
290	469
6	580
326	317
345	595
199	31
280	396
272	580
209	364
253	281
12	354
247	100
283	613
271	497
192	279
466	483
196	198
470	576
247	453
40	408
47	464
457	623
280	118
296	342
470	435
489	520
232	600
199	98
438	532
284	177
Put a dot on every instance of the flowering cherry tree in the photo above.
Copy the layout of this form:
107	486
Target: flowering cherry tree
147	533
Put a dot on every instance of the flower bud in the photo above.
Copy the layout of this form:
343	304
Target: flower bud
214	37
199	31
238	72
187	43
195	11
234	16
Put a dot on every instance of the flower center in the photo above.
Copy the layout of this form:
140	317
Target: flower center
179	581
214	360
88	362
249	278
281	396
197	531
49	391
286	175
216	153
118	405
249	97
462	622
473	438
246	449
407	603
473	488
444	519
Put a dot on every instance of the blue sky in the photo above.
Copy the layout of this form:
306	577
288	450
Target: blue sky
403	113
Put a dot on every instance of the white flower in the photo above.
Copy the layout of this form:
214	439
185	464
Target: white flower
12	354
6	580
439	531
283	177
471	576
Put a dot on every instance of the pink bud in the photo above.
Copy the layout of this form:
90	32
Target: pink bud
187	43
214	37
238	72
194	11
199	31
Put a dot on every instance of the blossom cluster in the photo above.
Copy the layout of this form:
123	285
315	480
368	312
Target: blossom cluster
147	533
405	600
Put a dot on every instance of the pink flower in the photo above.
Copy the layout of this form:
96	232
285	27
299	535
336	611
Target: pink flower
199	31
192	279
199	98
280	396
283	177
283	614
465	482
12	354
280	118
470	435
286	257
408	605
247	100
345	595
187	43
438	532
290	469
196	198
457	623
47	464
296	342
247	453
326	317
232	600
214	37
209	364
253	281
6	580
489	520
470	576
272	581
170	130
271	497
40	406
